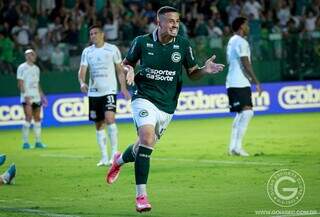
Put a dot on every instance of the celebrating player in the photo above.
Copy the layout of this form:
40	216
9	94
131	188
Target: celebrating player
104	62
158	85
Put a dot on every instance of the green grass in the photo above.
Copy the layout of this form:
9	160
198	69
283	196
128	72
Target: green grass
191	175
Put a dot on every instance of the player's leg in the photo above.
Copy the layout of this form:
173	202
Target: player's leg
110	110
26	126
36	111
234	107
246	115
102	142
8	176
142	165
2	159
112	132
96	114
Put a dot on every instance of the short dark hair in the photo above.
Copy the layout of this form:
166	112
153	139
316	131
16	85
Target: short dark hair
166	9
95	26
236	24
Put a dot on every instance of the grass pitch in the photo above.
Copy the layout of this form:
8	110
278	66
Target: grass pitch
191	174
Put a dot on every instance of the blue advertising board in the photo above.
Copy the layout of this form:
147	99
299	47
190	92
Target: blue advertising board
194	102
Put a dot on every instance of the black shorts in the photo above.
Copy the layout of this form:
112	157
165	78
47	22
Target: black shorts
99	105
34	105
239	98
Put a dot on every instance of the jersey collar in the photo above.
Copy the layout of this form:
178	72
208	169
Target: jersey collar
155	37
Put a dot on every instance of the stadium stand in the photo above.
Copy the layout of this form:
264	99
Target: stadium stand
285	34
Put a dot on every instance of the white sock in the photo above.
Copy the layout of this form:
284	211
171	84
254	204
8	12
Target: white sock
141	190
113	137
234	132
102	142
245	118
25	131
37	131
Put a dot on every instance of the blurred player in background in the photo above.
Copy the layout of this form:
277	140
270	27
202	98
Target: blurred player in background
9	174
162	56
31	97
104	63
239	77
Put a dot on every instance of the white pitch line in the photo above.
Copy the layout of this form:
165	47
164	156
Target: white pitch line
296	215
37	212
220	162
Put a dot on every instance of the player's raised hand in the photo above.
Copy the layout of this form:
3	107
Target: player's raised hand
129	74
84	88
211	67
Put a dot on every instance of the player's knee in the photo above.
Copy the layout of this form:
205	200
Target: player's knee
28	117
147	139
109	119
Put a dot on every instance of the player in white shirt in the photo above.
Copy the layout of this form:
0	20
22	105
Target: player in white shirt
240	75
31	97
104	63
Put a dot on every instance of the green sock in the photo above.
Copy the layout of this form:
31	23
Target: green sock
128	155
142	165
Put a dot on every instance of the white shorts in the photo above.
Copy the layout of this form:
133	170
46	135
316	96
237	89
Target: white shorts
145	112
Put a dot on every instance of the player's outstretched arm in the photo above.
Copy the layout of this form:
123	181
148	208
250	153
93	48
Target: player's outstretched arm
210	67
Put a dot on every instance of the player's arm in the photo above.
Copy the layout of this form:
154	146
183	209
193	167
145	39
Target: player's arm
210	67
21	85
128	69
82	78
44	100
122	80
249	73
133	56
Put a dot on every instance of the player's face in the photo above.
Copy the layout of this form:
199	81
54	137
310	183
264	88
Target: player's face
96	36
31	57
169	23
246	28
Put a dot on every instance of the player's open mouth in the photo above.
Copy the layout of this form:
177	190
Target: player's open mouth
174	31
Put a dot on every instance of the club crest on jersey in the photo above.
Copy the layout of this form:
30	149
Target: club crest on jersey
143	113
176	57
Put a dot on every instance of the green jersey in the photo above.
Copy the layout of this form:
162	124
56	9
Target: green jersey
159	79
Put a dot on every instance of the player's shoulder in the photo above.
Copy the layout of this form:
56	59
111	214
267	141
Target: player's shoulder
236	39
110	46
144	38
88	48
22	66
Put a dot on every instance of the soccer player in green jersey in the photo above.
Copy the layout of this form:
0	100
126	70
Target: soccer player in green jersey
158	85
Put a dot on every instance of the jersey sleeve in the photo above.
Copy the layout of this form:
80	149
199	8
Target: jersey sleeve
189	61
20	72
117	56
134	52
84	61
243	49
